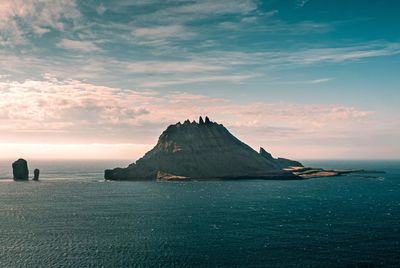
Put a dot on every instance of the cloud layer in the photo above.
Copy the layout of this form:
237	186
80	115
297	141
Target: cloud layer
71	111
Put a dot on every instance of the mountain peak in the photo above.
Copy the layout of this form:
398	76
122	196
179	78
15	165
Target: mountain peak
201	150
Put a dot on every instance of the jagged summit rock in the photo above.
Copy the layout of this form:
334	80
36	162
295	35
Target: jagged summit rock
200	151
20	170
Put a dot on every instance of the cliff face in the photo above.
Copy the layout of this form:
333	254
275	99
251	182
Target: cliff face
204	150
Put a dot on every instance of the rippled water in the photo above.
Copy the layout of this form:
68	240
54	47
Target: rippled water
79	220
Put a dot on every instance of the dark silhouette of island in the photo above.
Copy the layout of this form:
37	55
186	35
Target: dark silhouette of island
204	150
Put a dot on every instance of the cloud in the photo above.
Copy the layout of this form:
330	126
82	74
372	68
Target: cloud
57	111
304	56
85	46
163	27
161	37
200	79
160	32
305	82
154	46
167	27
209	66
21	17
340	54
187	11
54	106
209	7
71	109
171	67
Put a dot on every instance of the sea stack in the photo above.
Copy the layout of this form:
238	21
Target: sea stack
204	150
36	173
20	170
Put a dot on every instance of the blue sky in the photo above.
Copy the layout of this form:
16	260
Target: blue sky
306	79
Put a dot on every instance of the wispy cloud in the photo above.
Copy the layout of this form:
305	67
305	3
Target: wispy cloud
194	10
191	68
20	17
304	82
200	79
171	67
85	46
161	37
306	56
339	54
176	31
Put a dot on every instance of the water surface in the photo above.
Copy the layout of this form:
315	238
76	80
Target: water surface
79	220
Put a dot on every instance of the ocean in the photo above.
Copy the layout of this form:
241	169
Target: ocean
73	218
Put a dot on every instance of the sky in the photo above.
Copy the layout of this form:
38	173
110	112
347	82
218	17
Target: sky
305	79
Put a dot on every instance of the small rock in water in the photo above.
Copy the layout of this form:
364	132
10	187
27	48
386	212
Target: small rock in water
36	173
20	170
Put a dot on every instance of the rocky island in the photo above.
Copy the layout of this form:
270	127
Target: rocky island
203	150
207	150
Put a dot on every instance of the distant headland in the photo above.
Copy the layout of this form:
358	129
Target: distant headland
207	150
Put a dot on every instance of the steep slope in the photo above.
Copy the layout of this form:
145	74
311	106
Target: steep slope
279	162
204	150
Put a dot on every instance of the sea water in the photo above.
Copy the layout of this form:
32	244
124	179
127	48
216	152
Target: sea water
73	218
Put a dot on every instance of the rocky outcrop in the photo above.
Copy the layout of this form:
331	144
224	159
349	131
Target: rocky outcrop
20	170
310	172
36	174
279	162
204	150
162	176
